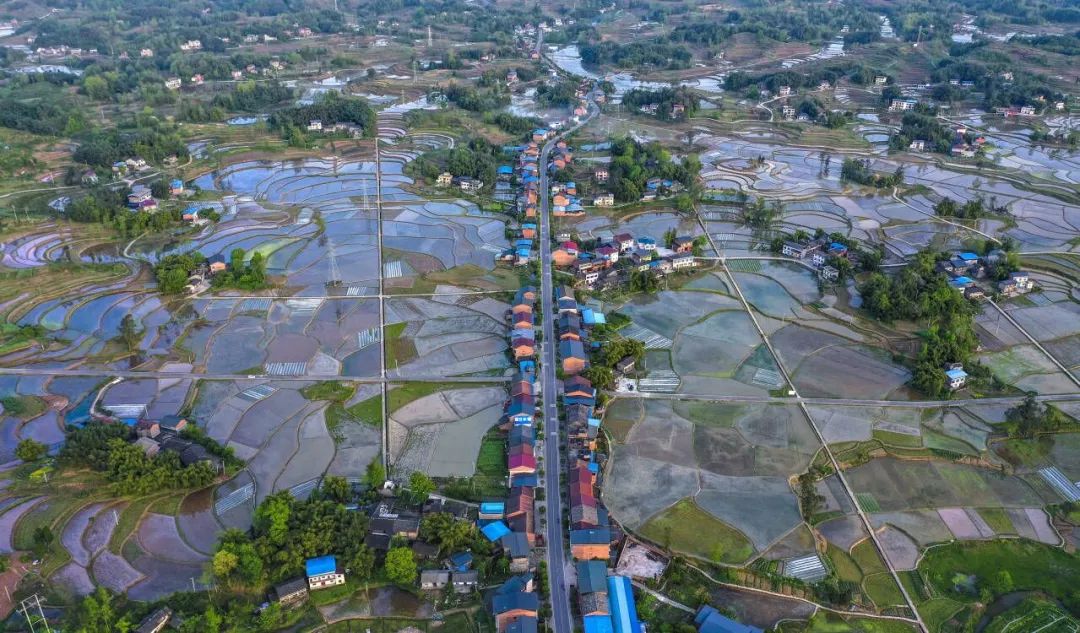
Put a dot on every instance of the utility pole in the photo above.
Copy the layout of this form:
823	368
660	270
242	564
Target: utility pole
429	36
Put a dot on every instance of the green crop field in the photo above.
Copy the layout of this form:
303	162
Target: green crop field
1029	566
687	528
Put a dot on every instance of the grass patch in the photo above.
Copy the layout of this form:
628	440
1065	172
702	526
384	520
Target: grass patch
169	504
1030	565
867	502
845	567
491	472
398	350
883	591
621	416
23	407
998	520
708	413
1034	452
937	611
406	392
866	557
687	528
471	275
901	440
456	623
332	390
367	411
47	513
128	521
942	442
824	622
331	595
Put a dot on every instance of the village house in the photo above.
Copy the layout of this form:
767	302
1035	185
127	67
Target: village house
465	581
682	260
604	200
1018	283
590	544
828	273
173	83
601	175
434	579
797	250
956	376
156	621
709	620
291	592
902	105
574	360
323	572
514	601
444	179
468	184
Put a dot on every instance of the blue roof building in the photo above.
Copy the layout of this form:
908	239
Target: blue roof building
598	624
593	317
505	170
622	606
176	183
591	576
529	480
321	565
497	508
960	282
969	257
461	561
495	530
709	620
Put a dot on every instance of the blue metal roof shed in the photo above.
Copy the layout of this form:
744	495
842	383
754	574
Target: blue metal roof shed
493	507
598	624
495	531
969	257
320	565
623	609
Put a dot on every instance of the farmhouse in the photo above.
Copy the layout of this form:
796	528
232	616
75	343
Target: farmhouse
323	572
291	592
709	620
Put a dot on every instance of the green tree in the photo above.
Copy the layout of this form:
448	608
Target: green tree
442	529
375	475
400	565
43	538
420	486
96	88
129	332
362	562
224	564
272	517
30	450
336	488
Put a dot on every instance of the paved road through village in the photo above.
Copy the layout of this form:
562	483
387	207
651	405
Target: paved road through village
556	551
